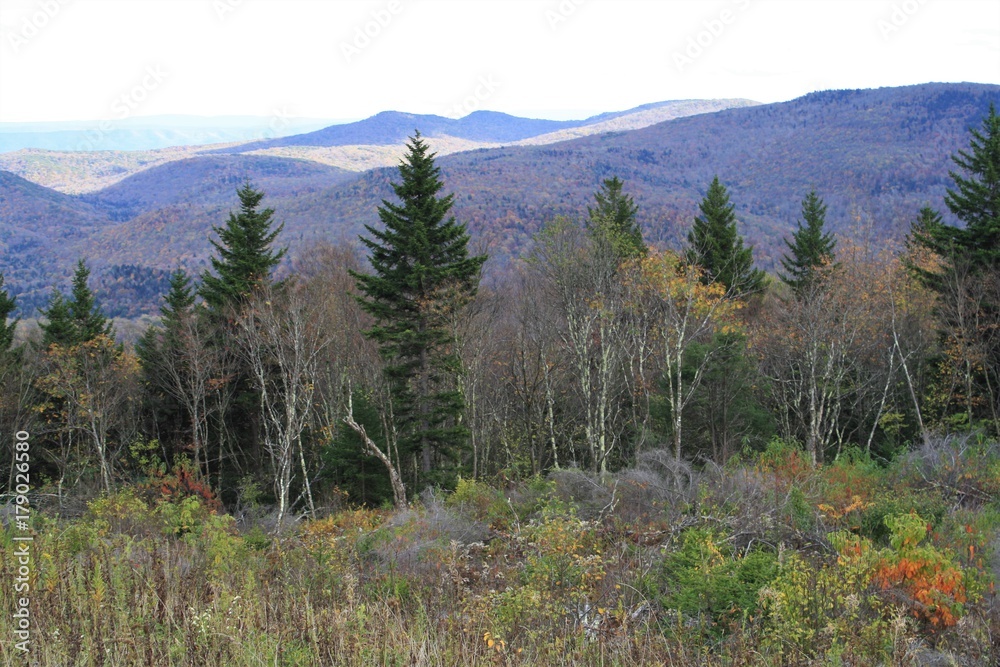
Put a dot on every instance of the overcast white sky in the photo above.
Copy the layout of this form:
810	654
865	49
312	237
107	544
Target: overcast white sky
94	59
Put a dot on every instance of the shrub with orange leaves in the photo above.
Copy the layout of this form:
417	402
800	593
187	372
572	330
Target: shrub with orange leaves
848	487
184	481
929	580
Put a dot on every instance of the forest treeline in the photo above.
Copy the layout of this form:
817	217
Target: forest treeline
375	372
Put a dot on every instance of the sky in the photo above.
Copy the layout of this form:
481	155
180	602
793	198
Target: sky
63	60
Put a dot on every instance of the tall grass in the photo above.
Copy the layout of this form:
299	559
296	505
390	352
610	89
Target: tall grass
648	567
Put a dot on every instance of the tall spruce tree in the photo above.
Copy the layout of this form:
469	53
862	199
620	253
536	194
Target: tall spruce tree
613	220
76	320
178	301
245	254
716	246
422	273
810	247
245	262
164	355
7	306
57	329
975	200
968	269
86	313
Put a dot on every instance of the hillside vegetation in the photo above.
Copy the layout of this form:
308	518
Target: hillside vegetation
764	562
613	453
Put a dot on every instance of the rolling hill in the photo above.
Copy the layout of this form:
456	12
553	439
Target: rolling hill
54	229
209	181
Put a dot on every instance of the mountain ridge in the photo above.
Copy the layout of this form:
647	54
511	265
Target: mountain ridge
393	127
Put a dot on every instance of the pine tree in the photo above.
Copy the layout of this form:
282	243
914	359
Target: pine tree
966	268
7	306
717	247
422	273
613	219
74	321
58	328
810	248
976	198
176	304
179	299
88	319
173	362
245	256
244	263
924	234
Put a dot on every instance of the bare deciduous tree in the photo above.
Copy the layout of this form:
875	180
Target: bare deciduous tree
282	337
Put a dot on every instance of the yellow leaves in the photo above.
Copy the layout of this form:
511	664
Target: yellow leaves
857	504
669	290
494	642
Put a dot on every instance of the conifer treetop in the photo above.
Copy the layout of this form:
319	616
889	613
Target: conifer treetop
245	257
717	247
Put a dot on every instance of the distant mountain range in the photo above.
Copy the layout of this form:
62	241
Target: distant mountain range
393	127
151	132
875	156
374	142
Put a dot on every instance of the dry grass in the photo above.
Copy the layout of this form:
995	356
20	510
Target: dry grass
565	571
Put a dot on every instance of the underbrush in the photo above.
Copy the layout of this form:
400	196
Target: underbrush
763	562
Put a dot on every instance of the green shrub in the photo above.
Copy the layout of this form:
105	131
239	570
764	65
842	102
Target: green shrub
707	580
120	512
931	506
481	502
256	539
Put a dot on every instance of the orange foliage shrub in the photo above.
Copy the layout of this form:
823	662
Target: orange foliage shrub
182	482
931	580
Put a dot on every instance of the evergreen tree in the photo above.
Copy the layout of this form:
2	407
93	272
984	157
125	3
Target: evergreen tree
422	273
88	319
245	256
58	328
810	247
924	232
717	247
74	321
245	261
976	198
7	306
176	304
975	201
164	357
968	268
179	299
613	219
